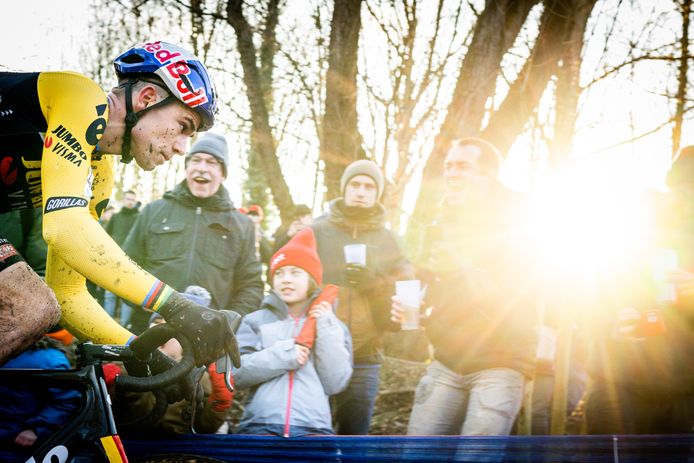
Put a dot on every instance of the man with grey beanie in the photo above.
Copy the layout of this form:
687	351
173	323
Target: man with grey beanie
195	236
358	217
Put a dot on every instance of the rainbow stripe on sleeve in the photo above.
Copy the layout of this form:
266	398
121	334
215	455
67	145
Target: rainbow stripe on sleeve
157	296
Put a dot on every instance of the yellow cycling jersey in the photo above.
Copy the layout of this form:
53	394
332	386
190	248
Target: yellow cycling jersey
50	123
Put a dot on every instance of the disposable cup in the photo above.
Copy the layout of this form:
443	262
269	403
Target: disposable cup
355	253
409	293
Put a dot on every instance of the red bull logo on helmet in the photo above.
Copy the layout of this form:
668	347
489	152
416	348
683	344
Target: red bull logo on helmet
175	72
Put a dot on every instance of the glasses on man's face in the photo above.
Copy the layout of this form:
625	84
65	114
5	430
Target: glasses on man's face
197	160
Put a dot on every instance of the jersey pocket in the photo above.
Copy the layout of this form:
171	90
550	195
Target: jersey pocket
166	241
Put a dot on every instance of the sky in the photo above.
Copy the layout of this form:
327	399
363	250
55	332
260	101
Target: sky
43	34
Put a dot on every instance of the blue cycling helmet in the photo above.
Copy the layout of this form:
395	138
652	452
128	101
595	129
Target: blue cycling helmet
185	77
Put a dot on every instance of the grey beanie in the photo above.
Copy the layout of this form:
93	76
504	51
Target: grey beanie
363	167
213	144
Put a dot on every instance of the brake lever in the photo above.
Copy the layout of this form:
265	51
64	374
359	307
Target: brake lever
223	367
196	393
223	364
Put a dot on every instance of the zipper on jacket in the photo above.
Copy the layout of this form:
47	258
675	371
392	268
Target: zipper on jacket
191	254
291	385
289	404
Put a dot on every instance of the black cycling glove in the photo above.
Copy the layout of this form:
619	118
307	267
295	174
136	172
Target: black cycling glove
207	329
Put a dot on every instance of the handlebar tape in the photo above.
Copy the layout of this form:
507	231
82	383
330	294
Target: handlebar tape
171	372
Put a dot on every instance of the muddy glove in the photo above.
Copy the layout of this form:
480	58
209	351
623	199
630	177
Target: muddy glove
207	329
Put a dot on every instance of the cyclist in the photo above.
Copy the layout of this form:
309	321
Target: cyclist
57	132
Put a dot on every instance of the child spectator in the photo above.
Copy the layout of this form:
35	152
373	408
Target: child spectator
291	382
30	414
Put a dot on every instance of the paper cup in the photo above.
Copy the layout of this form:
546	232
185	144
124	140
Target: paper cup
355	253
409	293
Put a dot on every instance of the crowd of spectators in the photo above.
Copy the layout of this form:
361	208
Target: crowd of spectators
312	345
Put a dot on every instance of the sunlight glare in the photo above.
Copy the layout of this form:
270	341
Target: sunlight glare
582	222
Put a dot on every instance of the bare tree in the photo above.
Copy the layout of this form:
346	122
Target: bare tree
262	140
567	89
341	142
494	33
561	27
256	182
685	7
419	58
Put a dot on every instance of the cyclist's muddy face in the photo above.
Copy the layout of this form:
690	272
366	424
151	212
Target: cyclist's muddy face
162	133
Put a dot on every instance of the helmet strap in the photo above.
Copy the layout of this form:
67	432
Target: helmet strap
131	118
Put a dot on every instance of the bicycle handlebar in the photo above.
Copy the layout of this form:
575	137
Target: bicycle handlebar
166	371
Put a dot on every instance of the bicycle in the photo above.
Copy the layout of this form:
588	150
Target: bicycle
90	435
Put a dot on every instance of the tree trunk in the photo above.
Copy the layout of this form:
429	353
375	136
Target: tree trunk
682	82
197	25
495	31
262	141
526	91
568	89
341	143
256	183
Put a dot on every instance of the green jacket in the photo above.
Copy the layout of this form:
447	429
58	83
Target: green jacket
184	240
121	223
23	230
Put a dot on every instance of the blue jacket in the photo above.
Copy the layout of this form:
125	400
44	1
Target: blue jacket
43	410
286	399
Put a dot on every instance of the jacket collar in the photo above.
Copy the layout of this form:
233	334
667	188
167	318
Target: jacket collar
365	219
274	303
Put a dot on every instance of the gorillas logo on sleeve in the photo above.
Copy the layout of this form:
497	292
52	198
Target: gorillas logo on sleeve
57	203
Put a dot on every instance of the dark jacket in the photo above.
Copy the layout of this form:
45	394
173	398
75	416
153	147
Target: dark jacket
184	240
365	310
659	366
121	223
24	230
483	311
41	409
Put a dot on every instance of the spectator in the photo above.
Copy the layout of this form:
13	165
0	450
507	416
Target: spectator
177	419
544	381
23	230
302	217
291	382
30	414
195	236
106	215
263	248
643	379
365	290
481	325
118	227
